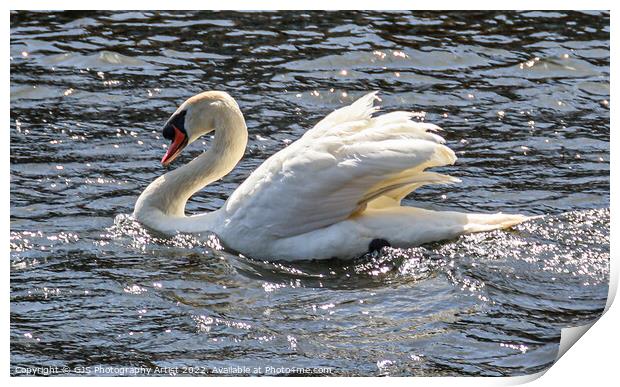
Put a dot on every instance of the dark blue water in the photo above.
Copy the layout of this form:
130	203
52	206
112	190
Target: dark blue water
524	101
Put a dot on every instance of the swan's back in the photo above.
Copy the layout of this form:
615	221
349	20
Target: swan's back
348	161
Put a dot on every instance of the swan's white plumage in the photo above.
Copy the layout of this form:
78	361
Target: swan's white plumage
336	168
329	193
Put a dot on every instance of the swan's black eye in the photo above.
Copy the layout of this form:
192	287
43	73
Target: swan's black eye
178	121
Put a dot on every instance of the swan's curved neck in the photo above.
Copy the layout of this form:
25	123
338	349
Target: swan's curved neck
169	193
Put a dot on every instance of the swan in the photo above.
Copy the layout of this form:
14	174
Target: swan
335	192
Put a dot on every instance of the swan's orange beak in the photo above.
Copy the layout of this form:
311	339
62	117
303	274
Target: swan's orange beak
178	143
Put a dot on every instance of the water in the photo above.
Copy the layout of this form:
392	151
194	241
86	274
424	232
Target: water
524	100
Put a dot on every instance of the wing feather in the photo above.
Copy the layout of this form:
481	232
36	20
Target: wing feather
347	161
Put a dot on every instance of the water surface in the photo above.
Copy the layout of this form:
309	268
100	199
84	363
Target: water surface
524	101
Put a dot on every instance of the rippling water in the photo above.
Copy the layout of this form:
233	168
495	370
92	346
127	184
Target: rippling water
524	100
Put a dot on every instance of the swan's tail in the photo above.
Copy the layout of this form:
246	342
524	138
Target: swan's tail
411	226
488	222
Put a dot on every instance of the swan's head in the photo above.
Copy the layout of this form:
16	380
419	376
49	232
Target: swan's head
197	116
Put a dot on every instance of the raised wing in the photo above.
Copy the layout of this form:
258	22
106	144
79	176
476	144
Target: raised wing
347	162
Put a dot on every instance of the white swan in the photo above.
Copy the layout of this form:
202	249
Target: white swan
335	192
